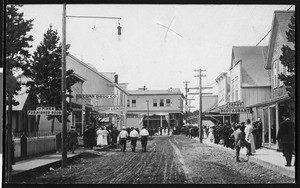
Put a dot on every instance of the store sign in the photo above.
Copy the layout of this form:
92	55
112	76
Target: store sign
192	117
235	105
108	115
111	108
235	110
95	96
133	116
44	111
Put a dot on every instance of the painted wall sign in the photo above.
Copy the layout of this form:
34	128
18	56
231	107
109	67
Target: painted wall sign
95	96
108	115
111	108
134	116
235	111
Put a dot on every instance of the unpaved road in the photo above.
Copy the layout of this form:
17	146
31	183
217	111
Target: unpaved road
169	160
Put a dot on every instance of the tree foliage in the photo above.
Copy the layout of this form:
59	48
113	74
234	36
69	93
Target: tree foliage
17	39
16	42
288	60
45	72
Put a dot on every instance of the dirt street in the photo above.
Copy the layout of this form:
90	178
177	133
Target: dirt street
169	160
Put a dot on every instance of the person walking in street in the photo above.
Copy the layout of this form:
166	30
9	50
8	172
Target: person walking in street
239	141
134	135
99	137
144	135
122	138
89	137
249	135
211	134
73	140
286	135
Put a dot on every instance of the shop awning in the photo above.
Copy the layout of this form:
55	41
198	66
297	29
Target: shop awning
271	101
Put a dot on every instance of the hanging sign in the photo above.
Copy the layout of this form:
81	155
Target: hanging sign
108	115
95	96
235	104
44	111
192	117
235	111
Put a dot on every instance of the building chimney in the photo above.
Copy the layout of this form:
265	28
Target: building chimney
145	88
116	78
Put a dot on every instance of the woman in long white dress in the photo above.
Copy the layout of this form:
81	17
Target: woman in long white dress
105	134
249	135
211	136
99	137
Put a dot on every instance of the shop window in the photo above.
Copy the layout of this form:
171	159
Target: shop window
168	102
154	102
133	103
161	102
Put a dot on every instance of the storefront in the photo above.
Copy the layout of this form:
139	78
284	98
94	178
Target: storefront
270	113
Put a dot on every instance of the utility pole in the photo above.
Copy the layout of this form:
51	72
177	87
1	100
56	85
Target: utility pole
63	87
200	100
148	115
186	99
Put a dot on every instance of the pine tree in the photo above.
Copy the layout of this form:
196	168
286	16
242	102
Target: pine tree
288	59
17	42
45	73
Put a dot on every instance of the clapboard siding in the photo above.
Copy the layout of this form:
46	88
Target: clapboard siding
254	95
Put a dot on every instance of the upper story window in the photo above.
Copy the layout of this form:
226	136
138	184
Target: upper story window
133	103
161	102
236	88
128	103
168	102
232	90
154	102
275	74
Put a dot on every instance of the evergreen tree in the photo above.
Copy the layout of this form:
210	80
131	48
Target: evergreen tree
17	42
45	73
288	59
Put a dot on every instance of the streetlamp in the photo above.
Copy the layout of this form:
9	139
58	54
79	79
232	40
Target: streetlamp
64	104
148	115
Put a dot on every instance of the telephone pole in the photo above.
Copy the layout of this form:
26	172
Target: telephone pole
200	100
186	99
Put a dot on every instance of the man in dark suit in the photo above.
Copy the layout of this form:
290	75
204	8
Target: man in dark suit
239	141
286	135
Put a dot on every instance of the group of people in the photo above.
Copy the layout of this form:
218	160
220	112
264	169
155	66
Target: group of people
134	135
236	135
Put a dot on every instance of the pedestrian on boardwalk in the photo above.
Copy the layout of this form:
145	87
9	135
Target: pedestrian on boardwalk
99	137
134	135
73	140
249	135
144	134
286	135
122	138
257	133
239	141
89	137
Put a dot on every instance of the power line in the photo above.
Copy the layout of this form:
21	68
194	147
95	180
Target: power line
269	31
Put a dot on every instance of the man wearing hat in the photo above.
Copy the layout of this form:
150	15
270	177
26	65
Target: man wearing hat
286	135
122	137
72	139
239	141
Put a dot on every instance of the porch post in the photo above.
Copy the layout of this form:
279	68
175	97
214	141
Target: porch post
161	121
277	122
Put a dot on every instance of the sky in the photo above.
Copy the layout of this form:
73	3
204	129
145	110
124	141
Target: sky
148	53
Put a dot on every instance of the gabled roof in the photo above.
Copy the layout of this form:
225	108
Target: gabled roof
281	19
252	59
92	68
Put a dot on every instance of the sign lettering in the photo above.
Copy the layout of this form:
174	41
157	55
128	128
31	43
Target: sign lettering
44	112
95	96
235	111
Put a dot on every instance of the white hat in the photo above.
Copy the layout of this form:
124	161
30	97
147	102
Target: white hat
123	127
